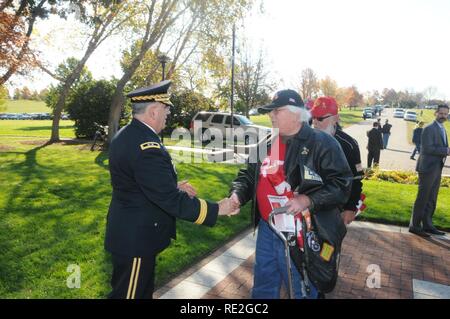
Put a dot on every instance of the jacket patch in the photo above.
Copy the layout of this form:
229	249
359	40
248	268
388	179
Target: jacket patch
311	175
305	151
327	251
147	145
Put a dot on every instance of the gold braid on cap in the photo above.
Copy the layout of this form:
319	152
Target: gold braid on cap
163	98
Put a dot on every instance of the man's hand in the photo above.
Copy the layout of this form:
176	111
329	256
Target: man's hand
228	207
236	204
298	204
348	216
188	188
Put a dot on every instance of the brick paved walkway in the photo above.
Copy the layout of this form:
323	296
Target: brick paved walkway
410	267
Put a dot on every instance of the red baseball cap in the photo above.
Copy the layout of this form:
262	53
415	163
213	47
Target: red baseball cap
324	105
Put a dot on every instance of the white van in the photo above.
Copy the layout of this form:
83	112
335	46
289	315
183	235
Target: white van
211	121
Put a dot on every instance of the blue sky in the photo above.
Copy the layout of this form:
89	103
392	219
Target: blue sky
373	44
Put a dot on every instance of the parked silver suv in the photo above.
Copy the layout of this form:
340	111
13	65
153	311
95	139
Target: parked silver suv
208	124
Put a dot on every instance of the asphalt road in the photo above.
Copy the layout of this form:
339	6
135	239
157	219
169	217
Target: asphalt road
398	152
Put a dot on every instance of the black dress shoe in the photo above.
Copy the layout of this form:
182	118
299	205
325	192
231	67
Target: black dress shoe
434	231
418	232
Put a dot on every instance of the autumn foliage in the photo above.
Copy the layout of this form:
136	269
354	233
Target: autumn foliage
14	51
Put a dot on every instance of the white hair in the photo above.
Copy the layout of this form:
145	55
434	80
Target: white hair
303	114
140	107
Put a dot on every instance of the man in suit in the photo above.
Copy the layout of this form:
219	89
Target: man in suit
433	153
374	145
146	196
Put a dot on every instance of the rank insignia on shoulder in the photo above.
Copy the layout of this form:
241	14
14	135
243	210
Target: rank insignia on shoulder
147	145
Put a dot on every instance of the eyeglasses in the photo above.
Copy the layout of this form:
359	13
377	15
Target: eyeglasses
320	119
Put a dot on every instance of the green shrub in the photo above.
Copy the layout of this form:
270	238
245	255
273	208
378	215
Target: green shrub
402	177
90	103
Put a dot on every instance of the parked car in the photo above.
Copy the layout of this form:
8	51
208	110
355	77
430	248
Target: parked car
253	112
399	113
222	121
410	116
368	113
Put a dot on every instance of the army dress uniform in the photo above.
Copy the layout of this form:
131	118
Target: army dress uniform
145	202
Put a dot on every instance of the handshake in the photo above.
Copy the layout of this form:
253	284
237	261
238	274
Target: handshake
229	206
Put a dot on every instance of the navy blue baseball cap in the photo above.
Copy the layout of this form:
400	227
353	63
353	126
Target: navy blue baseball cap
283	98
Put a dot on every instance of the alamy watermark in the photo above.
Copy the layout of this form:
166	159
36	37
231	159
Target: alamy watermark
374	279
221	144
74	279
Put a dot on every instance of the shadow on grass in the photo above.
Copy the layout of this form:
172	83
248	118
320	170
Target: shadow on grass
44	229
41	128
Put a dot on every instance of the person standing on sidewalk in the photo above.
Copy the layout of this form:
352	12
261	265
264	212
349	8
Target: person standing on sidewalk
374	145
386	130
417	137
326	118
310	162
433	153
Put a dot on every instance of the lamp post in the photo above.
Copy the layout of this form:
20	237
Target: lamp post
232	81
163	59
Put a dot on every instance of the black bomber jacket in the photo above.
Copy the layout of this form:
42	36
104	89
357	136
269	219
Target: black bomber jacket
314	165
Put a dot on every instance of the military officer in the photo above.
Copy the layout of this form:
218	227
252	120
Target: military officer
146	198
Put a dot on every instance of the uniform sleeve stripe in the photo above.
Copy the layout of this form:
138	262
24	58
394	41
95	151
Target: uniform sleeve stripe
203	212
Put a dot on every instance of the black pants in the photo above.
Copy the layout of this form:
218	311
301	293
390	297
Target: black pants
373	155
425	204
132	278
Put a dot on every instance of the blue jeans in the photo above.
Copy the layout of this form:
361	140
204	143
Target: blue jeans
385	140
270	267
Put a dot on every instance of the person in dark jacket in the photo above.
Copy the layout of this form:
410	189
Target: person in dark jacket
386	131
374	145
417	137
146	197
307	162
326	118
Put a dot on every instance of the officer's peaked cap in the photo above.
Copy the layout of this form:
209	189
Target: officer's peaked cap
154	93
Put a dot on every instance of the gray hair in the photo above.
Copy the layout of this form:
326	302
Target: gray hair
140	107
303	114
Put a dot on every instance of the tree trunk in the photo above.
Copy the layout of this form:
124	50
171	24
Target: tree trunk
71	79
115	110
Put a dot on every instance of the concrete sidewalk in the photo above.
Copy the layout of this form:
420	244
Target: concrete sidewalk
410	267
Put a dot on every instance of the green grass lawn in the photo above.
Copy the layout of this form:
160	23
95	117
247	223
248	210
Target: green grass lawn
35	128
26	106
348	117
392	203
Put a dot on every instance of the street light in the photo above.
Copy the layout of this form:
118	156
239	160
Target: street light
163	59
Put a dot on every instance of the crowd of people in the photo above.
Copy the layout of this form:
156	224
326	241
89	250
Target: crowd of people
311	170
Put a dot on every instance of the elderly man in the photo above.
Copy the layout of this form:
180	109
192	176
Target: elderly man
326	118
146	198
309	162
